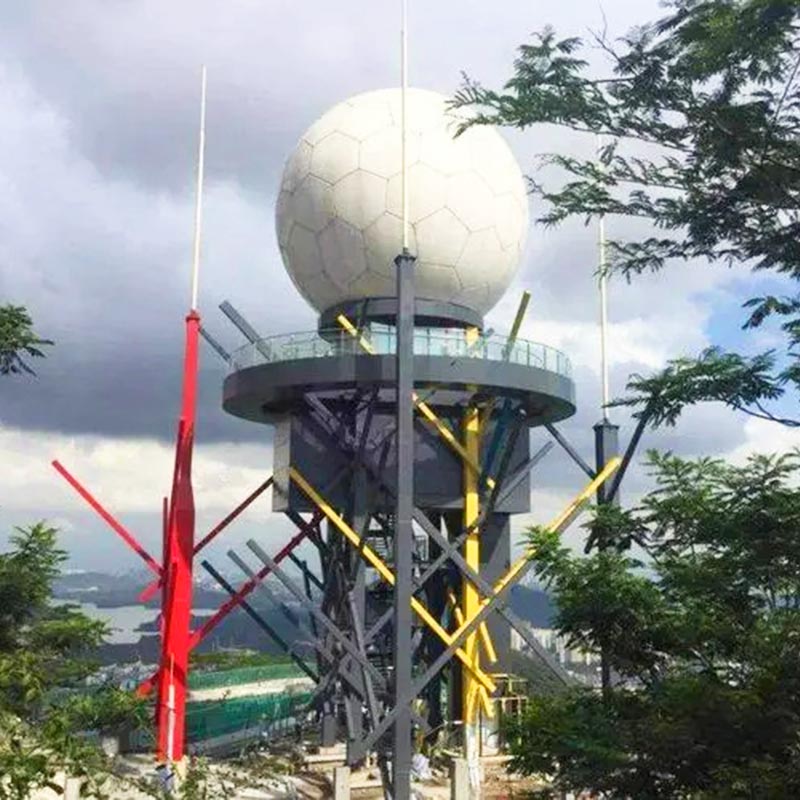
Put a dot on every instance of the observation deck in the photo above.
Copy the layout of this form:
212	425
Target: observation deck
270	377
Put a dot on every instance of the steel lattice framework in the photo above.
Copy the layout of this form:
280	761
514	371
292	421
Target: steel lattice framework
407	504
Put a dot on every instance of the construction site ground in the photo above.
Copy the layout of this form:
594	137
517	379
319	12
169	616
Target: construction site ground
260	780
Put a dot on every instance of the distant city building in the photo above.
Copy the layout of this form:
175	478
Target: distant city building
579	663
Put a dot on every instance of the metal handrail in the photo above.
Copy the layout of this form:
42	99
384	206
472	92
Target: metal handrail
447	342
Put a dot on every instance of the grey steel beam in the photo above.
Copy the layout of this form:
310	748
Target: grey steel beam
262	623
519	473
629	453
245	328
486	589
358	630
308	575
322	619
287	612
311	531
450	549
606	446
573	453
317	643
215	345
404	530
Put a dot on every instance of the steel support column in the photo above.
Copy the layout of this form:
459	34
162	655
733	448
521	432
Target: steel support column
404	530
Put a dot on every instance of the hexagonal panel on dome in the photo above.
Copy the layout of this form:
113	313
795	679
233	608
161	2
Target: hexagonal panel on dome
334	156
359	198
384	240
471	200
284	217
425	109
367	117
509	220
427	192
298	166
372	284
441	237
482	248
343	256
380	153
474	296
438	281
437	146
320	289
312	203
327	123
303	251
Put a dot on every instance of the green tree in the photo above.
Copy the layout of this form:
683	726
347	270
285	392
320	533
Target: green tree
699	113
46	650
702	636
18	341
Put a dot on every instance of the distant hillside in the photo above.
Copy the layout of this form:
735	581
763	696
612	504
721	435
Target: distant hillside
113	591
533	605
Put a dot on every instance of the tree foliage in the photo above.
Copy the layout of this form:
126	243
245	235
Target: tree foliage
700	118
46	650
18	341
702	634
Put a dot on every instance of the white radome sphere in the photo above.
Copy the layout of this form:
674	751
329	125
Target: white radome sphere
338	215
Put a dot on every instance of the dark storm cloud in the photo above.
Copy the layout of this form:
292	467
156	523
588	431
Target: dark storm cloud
100	115
125	74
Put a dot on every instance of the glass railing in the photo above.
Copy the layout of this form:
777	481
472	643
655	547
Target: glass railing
446	342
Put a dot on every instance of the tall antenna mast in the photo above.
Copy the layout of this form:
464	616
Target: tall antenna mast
403	117
601	235
198	209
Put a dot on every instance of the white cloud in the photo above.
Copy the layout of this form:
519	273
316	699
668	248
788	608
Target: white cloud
764	437
126	475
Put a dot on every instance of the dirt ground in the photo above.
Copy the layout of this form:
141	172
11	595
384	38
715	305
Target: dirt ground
234	783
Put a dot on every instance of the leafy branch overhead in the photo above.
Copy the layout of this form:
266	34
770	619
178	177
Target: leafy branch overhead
739	382
18	341
699	114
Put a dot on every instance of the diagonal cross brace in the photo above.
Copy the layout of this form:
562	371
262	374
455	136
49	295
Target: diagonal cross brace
262	623
287	612
318	645
378	564
490	603
422	407
448	548
323	619
110	520
150	590
570	450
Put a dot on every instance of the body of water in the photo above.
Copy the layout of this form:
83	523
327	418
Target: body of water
125	620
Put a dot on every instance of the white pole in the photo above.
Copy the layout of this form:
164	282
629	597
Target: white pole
403	121
171	713
603	307
198	209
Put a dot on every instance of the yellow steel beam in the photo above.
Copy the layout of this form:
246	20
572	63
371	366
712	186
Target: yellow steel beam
486	639
591	489
422	407
470	599
523	307
371	557
512	338
488	707
353	331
